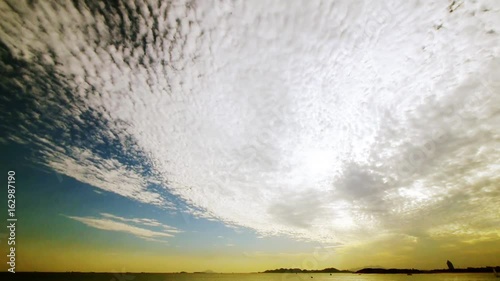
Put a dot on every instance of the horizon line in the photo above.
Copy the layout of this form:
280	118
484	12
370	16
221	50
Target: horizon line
214	272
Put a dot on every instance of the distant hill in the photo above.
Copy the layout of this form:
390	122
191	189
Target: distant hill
379	270
390	270
366	266
486	269
298	270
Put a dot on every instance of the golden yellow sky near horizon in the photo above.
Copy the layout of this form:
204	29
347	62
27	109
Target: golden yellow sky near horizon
392	252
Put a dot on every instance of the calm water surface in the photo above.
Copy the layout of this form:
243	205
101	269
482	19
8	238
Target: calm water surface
253	277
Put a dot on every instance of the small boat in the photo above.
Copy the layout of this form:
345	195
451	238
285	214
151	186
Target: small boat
409	274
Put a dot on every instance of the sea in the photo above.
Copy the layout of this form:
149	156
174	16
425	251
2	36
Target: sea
245	277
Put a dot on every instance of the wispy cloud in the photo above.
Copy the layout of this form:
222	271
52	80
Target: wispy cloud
107	174
325	121
143	221
134	226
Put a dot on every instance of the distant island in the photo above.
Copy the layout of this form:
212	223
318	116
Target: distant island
298	270
486	269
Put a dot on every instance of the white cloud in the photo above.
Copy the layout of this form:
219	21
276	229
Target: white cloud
134	226
330	121
106	174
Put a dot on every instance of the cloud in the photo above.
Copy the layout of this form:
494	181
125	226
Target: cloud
143	221
107	174
327	121
135	226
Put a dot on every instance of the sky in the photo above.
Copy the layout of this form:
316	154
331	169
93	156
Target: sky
240	136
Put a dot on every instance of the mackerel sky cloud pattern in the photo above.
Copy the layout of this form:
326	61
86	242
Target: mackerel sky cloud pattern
330	121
